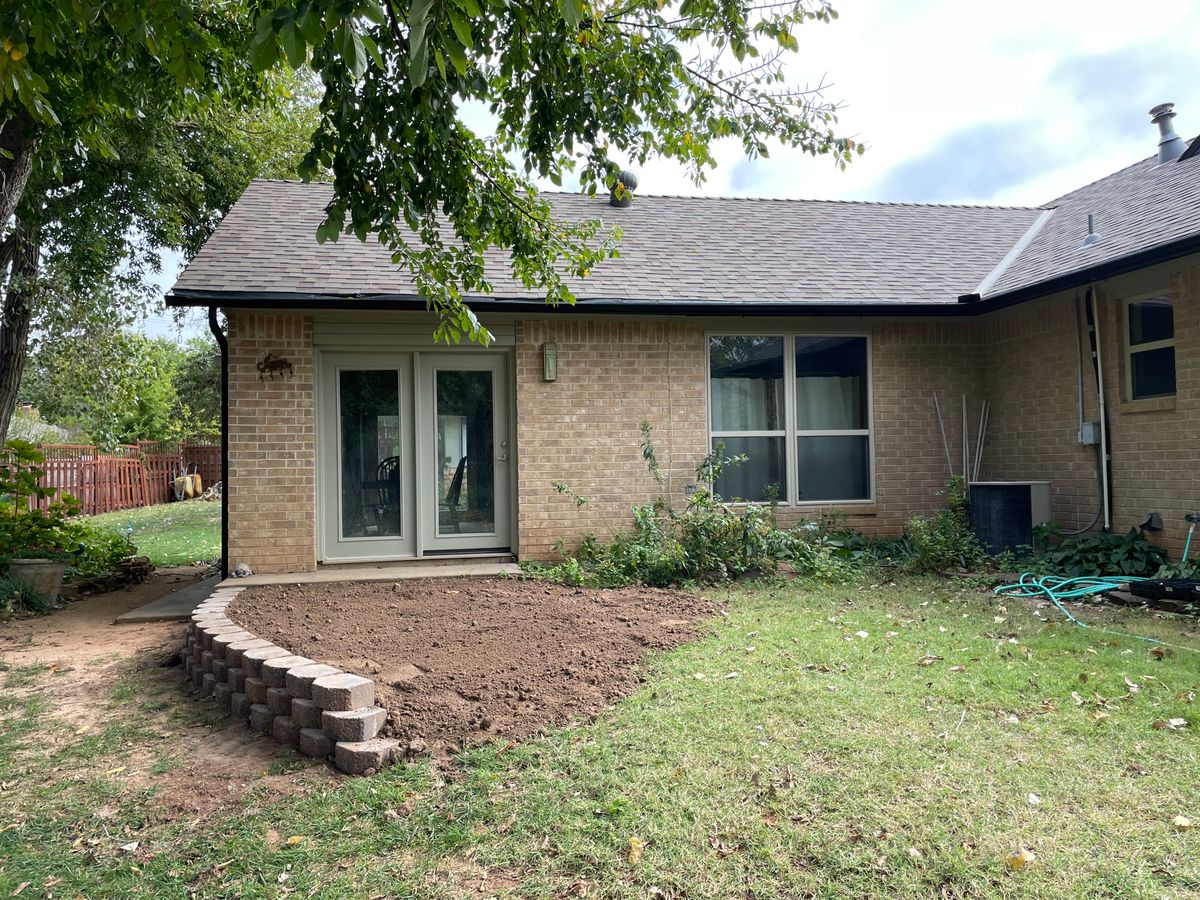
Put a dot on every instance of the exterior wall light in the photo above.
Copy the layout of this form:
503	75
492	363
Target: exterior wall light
550	361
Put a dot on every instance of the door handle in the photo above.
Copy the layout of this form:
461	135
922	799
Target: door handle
503	457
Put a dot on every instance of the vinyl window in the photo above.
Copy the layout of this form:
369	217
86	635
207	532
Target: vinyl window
799	407
1150	347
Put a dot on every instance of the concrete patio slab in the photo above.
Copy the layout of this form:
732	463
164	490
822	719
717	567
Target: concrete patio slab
175	606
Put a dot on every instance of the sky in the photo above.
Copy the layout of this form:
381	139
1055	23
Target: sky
960	101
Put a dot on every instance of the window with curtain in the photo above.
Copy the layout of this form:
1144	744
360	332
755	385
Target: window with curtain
797	406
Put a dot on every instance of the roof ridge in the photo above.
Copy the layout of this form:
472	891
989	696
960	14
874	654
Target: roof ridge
735	199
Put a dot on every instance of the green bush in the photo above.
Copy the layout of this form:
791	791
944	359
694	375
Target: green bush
709	540
95	550
945	540
1096	554
17	596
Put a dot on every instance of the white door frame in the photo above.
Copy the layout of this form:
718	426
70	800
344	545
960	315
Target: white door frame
357	354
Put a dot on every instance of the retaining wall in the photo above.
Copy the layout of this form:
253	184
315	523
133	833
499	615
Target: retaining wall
316	709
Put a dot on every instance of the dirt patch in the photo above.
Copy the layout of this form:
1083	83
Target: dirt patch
96	674
465	661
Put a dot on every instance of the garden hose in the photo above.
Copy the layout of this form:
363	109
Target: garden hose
1056	588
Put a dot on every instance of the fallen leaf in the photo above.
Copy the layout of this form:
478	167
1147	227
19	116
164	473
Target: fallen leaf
1133	686
1077	698
636	847
733	674
1098	715
1185	697
862	634
1048	706
1183	823
1034	800
1176	724
999	620
928	660
1019	859
295	839
20	887
1161	652
130	847
914	853
958	668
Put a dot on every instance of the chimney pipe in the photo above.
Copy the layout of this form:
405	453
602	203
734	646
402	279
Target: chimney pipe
621	193
1170	145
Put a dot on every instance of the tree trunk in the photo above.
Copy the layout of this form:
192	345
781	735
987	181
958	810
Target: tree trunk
16	162
14	321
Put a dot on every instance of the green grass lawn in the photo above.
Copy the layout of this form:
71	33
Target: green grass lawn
896	740
171	534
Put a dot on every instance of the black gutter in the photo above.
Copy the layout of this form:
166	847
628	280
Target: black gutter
223	343
968	305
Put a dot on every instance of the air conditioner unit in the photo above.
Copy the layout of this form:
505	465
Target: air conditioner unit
1004	513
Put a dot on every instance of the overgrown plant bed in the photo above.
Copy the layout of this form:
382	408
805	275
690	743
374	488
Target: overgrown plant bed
459	662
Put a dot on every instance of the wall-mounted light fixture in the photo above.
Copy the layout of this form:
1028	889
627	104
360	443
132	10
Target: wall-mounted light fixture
550	361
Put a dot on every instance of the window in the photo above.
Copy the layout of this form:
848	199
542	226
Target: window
1150	366
798	407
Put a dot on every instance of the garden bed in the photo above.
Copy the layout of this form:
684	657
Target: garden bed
457	662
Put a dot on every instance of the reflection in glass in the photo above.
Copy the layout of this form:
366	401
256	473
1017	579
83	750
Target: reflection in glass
834	467
831	381
746	378
369	409
465	472
762	477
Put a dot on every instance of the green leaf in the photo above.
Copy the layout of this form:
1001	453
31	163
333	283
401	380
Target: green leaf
572	11
294	45
418	44
462	28
353	50
457	56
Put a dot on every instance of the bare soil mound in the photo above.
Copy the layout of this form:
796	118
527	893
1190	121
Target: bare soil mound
464	661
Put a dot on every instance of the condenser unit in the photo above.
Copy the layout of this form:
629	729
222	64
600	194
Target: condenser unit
1004	513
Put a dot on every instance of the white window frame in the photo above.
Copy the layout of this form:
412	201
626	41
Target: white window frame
790	432
1131	348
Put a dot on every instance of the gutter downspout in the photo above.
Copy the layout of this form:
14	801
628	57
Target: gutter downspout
1105	457
223	343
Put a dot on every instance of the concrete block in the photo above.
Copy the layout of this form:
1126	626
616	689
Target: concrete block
314	743
356	757
280	701
252	660
239	706
220	670
197	675
306	713
261	717
208	632
255	689
207	683
197	651
222	693
353	725
221	642
206	661
299	680
286	731
237	679
233	653
343	692
274	671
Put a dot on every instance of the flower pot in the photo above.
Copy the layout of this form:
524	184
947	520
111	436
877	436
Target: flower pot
43	575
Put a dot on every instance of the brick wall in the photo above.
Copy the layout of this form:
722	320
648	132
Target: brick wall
1031	379
583	429
271	481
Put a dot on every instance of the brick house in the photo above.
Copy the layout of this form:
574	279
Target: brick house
811	335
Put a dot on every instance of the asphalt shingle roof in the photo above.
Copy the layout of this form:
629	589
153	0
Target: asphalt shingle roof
673	248
752	251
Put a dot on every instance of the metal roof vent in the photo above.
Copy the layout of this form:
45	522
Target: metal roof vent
1092	237
1170	145
622	190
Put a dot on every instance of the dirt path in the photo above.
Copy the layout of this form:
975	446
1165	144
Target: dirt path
468	660
98	676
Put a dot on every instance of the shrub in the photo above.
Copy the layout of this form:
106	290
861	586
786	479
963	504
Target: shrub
709	540
95	550
945	540
17	596
26	530
1097	554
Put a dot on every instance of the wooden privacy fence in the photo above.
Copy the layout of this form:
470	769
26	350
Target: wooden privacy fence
130	475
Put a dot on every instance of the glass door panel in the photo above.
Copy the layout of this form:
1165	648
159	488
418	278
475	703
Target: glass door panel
465	475
369	413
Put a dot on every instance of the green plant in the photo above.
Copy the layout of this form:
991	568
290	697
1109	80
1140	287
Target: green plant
945	540
709	540
17	596
1099	553
95	550
27	531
